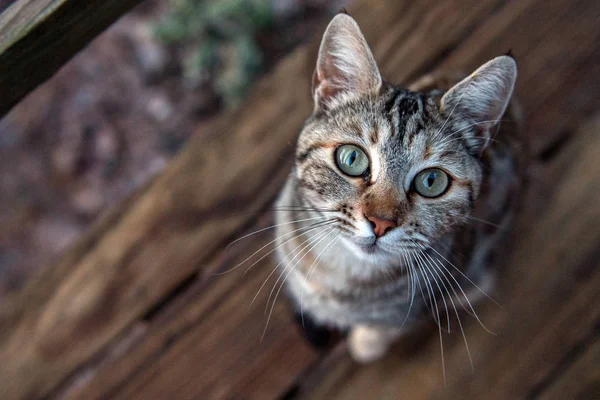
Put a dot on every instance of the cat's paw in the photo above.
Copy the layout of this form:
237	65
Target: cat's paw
368	344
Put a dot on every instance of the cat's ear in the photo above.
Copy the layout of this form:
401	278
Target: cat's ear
345	65
482	97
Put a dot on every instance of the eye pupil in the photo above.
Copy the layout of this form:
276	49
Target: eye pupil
352	158
430	179
431	182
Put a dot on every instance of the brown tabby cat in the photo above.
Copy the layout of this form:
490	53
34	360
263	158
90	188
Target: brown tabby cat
390	185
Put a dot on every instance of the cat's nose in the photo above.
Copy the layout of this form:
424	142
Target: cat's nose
381	226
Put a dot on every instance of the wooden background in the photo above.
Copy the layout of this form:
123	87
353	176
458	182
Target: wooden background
135	310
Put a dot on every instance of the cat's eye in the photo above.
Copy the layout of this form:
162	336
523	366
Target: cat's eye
431	182
351	160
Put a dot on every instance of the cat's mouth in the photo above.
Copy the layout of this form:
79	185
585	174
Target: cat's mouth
369	244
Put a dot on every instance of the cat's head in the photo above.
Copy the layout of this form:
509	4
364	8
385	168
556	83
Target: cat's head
399	168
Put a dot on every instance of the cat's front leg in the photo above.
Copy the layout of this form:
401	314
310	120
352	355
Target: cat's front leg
368	343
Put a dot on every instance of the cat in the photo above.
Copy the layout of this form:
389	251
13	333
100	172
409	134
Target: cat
398	198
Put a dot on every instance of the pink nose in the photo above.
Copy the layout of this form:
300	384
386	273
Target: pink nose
380	225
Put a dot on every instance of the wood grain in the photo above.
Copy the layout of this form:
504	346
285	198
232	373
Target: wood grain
133	258
38	36
179	352
548	290
133	310
581	380
124	266
556	47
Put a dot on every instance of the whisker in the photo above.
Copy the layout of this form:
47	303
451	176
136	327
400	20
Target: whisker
291	266
278	264
411	291
284	208
418	283
229	215
270	227
286	241
448	136
453	108
313	268
438	286
446	273
467	278
432	263
474	313
307	228
442	279
427	283
322	237
428	288
473	137
483	221
405	259
388	273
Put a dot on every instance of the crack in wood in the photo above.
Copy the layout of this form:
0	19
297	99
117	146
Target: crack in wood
553	148
570	358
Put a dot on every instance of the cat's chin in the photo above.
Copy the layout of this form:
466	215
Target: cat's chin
369	248
366	248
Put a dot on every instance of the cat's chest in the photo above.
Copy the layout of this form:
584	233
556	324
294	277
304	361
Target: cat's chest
328	283
345	305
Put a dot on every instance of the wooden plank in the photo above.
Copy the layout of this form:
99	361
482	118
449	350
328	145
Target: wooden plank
38	36
172	381
134	257
581	380
549	290
4	4
556	47
224	354
140	252
207	343
159	279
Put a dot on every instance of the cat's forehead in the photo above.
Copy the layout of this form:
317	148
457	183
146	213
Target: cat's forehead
401	132
398	120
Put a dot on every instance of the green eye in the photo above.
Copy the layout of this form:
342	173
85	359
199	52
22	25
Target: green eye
351	160
431	182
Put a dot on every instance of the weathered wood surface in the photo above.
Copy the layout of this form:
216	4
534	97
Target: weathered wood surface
556	46
581	381
38	36
4	4
126	264
231	358
549	291
112	320
234	358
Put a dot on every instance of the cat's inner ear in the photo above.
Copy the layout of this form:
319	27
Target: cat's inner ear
345	66
482	97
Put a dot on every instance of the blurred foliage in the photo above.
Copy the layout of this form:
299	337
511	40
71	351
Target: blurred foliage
220	41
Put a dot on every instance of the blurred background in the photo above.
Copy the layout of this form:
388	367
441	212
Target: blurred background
115	114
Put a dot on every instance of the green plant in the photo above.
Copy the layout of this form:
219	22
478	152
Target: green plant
220	37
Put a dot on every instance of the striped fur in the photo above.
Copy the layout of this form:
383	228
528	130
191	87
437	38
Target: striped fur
333	271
